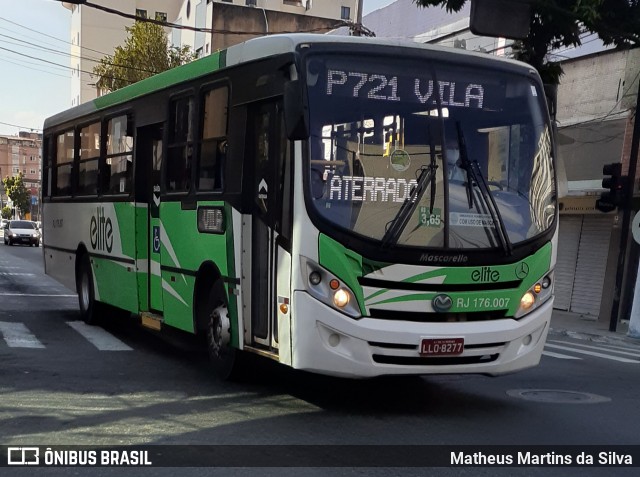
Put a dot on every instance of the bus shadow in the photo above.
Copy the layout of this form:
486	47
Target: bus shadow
389	395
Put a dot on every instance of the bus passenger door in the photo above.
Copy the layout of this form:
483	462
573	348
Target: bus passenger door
150	147
269	226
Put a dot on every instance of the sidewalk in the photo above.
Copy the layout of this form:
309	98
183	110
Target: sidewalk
588	328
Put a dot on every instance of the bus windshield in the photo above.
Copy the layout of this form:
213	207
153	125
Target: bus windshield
417	153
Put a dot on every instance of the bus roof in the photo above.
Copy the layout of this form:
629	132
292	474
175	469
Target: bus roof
254	49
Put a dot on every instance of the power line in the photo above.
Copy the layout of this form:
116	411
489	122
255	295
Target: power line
20	127
134	17
79	57
58	64
4	60
51	36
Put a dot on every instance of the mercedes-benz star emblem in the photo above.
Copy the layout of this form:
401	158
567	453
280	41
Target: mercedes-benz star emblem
441	303
522	270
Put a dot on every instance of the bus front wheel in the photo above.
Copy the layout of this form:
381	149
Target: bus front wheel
90	309
224	358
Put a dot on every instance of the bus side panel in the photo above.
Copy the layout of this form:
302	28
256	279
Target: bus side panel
183	250
106	231
115	278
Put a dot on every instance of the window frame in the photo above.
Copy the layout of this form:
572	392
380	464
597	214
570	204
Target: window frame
103	174
56	165
170	144
204	90
80	160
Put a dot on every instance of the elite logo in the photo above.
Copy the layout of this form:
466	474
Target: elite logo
485	274
101	231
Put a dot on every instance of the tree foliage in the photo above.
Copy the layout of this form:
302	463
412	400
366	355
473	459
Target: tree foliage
6	212
558	23
145	52
18	193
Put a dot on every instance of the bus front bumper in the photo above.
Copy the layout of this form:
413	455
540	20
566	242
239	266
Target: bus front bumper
328	342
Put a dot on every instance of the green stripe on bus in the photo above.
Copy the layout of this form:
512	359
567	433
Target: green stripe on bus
163	80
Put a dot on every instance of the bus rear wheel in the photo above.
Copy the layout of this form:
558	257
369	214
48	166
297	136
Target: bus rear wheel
91	311
224	358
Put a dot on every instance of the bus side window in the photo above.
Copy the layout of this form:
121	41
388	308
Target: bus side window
180	145
213	147
117	169
87	182
63	163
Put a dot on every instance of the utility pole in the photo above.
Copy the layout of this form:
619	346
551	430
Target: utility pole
358	26
634	320
626	217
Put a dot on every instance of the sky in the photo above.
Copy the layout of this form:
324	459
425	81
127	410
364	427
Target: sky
35	79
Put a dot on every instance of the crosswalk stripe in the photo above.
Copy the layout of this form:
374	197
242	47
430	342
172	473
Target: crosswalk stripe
98	337
17	335
558	355
593	353
601	348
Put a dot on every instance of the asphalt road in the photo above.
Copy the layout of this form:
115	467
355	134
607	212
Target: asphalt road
63	385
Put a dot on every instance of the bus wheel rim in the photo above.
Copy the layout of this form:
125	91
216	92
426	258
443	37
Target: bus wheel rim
84	291
219	331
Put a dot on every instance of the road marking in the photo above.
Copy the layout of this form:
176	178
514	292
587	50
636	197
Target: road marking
593	353
98	337
558	355
17	335
17	274
627	352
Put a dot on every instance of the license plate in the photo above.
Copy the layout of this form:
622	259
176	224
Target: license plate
442	346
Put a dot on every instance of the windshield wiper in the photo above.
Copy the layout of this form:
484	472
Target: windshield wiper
395	227
474	175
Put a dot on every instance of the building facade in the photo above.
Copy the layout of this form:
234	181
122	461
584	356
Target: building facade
233	21
95	34
22	154
219	24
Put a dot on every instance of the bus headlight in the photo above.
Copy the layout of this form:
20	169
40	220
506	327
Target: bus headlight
341	298
540	292
527	300
329	289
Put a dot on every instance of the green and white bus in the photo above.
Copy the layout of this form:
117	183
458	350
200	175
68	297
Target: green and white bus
347	206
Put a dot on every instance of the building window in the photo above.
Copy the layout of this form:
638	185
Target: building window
161	17
293	3
251	3
140	13
345	13
199	53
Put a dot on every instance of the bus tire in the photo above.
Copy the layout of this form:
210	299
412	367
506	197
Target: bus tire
226	360
91	311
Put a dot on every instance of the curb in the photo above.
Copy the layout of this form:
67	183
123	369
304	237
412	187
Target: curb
596	338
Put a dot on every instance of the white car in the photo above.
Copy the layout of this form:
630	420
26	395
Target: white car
21	231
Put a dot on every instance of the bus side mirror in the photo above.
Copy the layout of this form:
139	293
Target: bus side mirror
296	115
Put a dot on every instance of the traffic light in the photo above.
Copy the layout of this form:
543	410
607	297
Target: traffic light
615	185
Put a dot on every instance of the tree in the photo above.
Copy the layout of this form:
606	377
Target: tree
18	193
6	212
145	52
557	23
